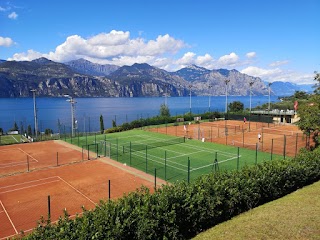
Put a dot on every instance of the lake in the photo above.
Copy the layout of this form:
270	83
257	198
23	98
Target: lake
88	110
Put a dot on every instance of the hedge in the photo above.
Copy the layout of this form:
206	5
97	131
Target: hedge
183	210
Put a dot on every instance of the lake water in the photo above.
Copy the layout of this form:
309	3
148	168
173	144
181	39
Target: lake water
88	110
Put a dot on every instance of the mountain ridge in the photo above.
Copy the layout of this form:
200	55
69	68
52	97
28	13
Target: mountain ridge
81	78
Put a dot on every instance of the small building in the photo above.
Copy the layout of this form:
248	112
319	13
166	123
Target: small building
279	116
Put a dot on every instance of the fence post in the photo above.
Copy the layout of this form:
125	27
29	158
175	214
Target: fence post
238	159
165	165
155	179
146	158
242	137
284	146
57	159
295	154
130	155
271	148
188	169
49	208
28	163
256	153
117	150
109	189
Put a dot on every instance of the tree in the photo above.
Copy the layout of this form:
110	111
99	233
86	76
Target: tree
309	113
1	131
48	131
236	106
164	111
15	127
101	124
29	131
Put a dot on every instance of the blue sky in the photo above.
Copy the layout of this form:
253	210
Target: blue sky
276	40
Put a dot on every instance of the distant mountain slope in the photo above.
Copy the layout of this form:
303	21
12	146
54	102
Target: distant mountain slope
79	78
287	88
192	73
86	67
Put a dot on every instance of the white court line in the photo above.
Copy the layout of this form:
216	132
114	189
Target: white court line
38	180
28	154
35	185
12	164
9	217
229	159
76	190
14	138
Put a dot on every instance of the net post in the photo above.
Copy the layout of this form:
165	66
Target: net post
155	179
146	158
188	169
284	146
97	149
88	146
238	158
109	189
57	159
49	208
165	165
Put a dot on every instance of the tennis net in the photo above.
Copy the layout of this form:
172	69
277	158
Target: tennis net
134	147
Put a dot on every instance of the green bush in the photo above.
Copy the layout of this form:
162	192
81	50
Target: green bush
182	210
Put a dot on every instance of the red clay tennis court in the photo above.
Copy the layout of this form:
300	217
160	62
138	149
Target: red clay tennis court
24	197
26	157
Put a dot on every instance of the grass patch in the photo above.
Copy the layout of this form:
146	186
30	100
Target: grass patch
295	216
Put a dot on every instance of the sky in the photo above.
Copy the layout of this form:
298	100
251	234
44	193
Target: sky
276	40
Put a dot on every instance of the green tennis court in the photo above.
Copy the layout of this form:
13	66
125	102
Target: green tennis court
170	158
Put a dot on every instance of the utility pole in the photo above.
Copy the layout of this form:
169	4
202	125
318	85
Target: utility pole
73	121
226	82
35	112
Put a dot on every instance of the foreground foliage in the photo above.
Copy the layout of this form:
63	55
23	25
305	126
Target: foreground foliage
181	211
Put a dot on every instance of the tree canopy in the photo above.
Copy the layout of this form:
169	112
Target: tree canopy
309	113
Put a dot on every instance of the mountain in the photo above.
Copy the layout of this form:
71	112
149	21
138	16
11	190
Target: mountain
288	89
192	73
56	79
213	82
86	67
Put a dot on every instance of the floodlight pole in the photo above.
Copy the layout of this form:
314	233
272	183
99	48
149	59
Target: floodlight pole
250	88
250	84
190	86
226	82
166	94
72	102
35	112
209	96
269	84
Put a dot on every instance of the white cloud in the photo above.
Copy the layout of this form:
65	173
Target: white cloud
5	41
29	55
13	15
113	45
2	9
278	63
231	59
251	55
277	74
